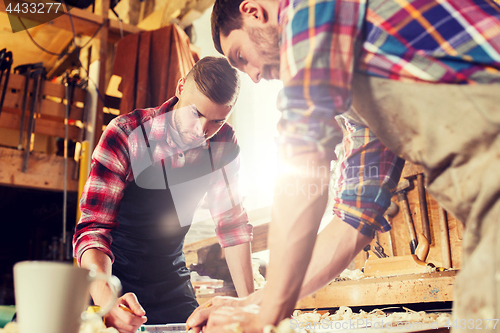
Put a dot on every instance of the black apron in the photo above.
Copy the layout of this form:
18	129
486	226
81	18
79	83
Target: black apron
148	243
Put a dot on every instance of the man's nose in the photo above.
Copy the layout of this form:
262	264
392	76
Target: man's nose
253	72
201	126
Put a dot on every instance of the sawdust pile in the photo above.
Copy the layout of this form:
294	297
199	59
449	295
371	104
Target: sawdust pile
258	280
346	313
348	275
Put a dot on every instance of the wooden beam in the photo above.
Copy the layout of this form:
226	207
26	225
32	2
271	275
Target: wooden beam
401	289
45	172
85	22
101	48
13	103
16	81
42	126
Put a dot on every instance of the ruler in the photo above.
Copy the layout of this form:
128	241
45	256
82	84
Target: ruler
162	328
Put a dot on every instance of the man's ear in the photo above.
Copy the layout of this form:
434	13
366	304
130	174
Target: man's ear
180	87
252	10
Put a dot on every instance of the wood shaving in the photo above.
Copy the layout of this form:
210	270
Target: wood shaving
345	313
348	275
93	325
258	280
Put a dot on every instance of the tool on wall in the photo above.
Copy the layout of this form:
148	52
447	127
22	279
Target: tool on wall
24	70
460	230
389	214
38	75
403	202
423	248
445	241
5	66
82	84
423	207
378	249
69	84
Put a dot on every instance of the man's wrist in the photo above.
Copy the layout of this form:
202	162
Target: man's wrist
254	298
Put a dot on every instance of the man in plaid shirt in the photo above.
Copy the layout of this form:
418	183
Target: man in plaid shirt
150	172
421	75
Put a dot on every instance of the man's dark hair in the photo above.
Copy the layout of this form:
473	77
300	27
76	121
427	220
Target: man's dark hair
226	17
216	79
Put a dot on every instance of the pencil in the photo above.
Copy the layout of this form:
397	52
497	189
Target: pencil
206	306
125	308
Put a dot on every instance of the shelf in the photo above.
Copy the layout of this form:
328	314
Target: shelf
45	172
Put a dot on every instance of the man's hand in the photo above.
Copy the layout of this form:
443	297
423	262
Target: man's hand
227	319
122	319
199	317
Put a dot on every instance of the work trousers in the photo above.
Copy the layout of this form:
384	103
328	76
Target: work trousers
452	131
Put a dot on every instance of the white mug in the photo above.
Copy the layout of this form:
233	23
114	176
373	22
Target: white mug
52	296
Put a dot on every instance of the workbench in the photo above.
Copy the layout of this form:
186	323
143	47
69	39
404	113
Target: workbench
444	251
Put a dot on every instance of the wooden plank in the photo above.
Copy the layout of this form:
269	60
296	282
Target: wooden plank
412	288
42	126
260	233
402	289
16	81
45	172
202	298
411	170
59	90
259	243
58	110
13	104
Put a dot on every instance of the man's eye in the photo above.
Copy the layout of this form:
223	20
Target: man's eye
240	58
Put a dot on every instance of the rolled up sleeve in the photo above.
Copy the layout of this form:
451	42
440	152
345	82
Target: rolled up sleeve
369	174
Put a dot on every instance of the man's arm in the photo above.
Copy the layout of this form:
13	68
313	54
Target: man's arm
299	204
239	261
225	199
99	206
336	246
123	321
316	74
368	173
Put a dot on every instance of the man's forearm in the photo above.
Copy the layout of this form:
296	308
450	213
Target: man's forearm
239	261
336	246
99	261
300	198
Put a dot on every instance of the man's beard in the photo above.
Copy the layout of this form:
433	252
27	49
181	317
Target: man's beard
266	41
184	135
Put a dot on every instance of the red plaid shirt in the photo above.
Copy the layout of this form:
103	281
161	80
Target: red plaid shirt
112	172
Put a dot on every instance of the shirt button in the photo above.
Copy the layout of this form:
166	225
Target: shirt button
181	155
